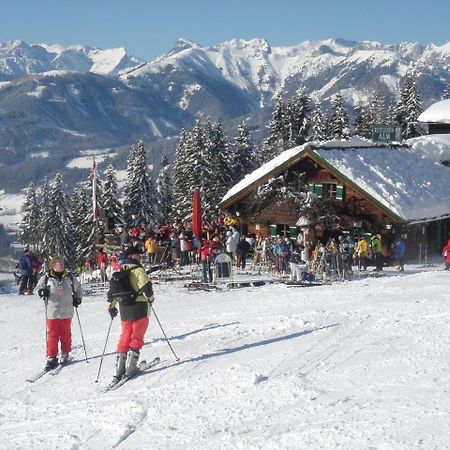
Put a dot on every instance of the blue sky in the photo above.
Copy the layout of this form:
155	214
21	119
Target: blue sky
149	28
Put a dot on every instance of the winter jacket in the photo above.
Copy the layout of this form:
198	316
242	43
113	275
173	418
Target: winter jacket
243	247
400	249
446	252
150	245
376	244
232	241
25	267
139	281
60	300
185	243
102	258
205	252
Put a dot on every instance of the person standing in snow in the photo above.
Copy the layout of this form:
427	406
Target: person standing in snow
399	248
376	248
362	250
134	315
25	268
446	255
61	292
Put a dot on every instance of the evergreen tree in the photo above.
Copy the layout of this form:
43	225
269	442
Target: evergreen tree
110	199
244	158
31	218
85	229
376	111
297	110
318	125
339	119
179	177
57	236
165	192
278	127
413	104
221	169
44	222
140	191
363	122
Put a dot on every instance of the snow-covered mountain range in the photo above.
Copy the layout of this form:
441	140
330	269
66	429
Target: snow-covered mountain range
61	99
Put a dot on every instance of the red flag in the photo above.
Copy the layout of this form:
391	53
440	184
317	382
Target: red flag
94	191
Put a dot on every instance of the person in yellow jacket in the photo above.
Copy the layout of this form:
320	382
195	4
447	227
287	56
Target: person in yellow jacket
150	247
134	314
362	250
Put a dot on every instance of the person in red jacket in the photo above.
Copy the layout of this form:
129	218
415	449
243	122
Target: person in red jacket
446	255
206	256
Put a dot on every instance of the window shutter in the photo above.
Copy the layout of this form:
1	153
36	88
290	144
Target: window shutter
273	230
318	189
339	192
311	187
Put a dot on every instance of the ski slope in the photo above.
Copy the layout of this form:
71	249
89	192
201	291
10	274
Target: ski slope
355	365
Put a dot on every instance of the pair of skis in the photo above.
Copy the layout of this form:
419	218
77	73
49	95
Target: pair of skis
54	371
142	367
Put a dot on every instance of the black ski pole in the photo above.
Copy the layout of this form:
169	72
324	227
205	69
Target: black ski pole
81	332
167	340
104	349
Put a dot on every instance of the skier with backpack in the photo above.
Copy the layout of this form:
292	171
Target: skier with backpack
130	288
61	292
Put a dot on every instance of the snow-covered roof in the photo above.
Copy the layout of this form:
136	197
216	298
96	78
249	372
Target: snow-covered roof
408	183
437	113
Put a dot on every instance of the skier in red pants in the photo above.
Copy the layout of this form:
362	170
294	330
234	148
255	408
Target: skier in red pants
61	293
134	313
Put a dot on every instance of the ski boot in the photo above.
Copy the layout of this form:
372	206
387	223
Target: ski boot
120	366
64	359
52	362
133	357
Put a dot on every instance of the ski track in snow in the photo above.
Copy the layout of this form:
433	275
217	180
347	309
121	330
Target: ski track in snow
355	365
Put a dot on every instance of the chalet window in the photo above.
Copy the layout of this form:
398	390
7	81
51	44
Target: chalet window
327	190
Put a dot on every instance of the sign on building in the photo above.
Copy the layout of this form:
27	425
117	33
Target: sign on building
386	133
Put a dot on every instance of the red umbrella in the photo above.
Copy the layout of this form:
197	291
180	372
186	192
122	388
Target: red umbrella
196	214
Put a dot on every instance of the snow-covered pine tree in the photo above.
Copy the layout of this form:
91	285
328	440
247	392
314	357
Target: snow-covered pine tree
244	158
413	103
110	199
278	128
318	125
298	122
165	192
377	111
339	118
30	223
57	236
363	122
179	176
221	165
85	229
401	108
140	192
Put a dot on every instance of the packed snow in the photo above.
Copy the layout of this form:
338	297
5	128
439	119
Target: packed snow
355	365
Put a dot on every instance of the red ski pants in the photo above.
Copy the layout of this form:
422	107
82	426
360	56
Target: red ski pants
132	336
58	330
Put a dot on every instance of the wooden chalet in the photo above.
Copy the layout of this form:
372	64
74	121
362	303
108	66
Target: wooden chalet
376	189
